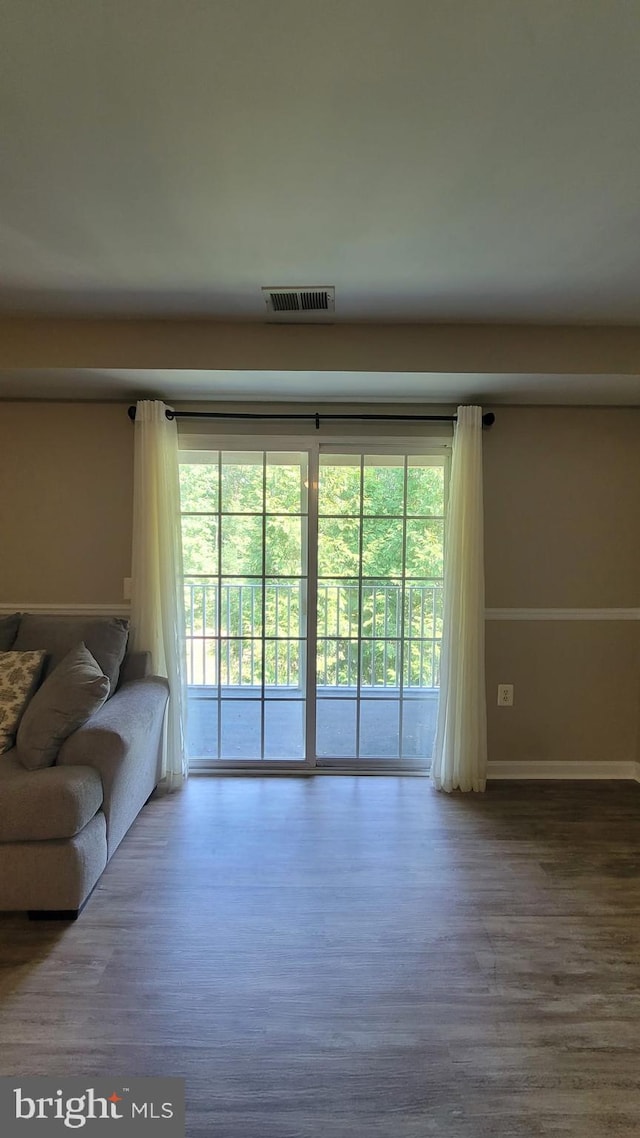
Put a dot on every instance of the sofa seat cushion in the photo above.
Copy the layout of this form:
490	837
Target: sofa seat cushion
53	803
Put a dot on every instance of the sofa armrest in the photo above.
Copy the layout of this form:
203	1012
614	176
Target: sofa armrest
122	742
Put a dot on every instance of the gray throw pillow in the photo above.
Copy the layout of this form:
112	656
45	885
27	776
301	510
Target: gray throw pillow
8	630
66	699
105	637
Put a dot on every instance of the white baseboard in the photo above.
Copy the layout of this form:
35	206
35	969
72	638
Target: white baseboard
557	770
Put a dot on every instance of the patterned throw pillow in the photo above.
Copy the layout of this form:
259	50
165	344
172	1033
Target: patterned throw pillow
19	673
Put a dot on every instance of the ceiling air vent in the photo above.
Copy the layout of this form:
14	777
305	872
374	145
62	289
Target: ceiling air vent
299	303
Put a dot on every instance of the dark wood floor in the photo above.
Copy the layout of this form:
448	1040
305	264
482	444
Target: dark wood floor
354	957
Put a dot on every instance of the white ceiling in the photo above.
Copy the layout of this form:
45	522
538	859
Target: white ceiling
474	160
318	387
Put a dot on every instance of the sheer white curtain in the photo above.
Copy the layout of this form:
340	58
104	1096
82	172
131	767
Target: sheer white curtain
460	753
157	615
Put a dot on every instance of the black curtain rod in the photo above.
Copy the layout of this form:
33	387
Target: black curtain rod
488	419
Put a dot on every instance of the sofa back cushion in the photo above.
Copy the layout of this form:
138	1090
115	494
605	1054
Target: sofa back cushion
8	629
105	638
67	698
135	666
19	674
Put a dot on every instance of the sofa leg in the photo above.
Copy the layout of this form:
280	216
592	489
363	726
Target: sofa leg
53	914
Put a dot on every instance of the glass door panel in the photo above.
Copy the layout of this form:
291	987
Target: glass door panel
379	606
245	543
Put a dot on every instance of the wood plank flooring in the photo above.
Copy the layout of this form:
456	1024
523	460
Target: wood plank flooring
354	958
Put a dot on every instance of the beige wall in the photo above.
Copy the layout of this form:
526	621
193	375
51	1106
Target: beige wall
39	342
577	687
66	476
562	494
562	504
562	530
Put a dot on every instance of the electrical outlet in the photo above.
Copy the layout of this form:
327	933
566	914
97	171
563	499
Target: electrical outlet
505	695
126	589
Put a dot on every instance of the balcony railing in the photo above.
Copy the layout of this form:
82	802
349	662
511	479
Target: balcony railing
225	625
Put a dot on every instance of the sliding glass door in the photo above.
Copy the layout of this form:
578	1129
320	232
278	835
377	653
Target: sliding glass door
313	603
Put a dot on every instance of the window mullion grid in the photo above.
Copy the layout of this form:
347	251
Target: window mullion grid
359	645
311	630
191	617
403	584
263	645
218	627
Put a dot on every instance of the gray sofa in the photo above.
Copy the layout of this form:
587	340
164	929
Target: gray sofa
60	825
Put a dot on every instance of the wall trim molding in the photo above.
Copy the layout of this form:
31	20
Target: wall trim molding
533	769
122	608
115	609
563	614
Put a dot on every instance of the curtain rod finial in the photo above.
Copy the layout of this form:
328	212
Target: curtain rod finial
488	419
131	412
